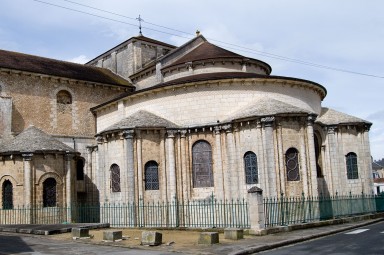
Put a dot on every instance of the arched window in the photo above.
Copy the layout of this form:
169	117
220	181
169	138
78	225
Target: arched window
319	169
250	167
49	192
7	195
151	176
80	169
352	170
202	164
115	178
292	164
64	101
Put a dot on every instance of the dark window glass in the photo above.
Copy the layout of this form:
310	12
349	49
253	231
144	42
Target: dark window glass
202	164
80	169
7	195
151	176
352	170
319	170
49	192
292	164
115	178
250	165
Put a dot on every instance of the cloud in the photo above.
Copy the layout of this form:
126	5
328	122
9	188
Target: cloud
82	59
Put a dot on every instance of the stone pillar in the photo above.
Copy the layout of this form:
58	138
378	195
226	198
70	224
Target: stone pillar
312	169
140	177
89	173
256	210
129	157
28	180
303	167
333	175
163	167
171	164
229	188
281	164
219	188
69	183
184	169
270	155
100	174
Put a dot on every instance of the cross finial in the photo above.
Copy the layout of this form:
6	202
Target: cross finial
140	20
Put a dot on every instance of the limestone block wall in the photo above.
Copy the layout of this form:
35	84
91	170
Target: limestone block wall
12	170
5	115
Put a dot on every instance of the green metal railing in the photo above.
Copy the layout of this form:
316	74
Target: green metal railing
294	210
210	213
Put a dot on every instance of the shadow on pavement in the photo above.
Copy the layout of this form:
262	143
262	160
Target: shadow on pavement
13	245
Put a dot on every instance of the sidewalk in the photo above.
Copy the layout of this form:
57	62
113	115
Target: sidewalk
185	241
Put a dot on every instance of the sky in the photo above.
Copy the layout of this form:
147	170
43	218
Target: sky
345	37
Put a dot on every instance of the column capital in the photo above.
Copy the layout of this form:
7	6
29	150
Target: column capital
227	128
217	129
268	121
311	119
27	156
128	134
100	139
331	129
183	133
171	133
69	156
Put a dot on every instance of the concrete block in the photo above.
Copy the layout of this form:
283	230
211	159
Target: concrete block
152	238
80	232
208	238
112	236
233	233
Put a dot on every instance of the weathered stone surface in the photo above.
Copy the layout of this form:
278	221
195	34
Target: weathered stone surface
80	232
208	238
151	238
112	235
233	233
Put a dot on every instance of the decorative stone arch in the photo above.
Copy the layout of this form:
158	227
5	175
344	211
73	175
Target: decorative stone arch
54	175
10	178
13	182
55	107
59	188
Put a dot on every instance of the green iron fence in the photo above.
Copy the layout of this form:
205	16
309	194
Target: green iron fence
210	213
294	210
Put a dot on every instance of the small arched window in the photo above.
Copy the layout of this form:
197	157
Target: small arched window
292	164
151	175
352	170
80	169
49	192
115	178
250	167
202	164
7	195
64	97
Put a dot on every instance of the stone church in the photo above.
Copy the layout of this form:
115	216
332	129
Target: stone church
149	121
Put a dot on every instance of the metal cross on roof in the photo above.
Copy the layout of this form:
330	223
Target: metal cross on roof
140	20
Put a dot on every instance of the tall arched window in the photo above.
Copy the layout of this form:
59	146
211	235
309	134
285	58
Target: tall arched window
352	170
80	169
7	195
49	192
115	178
319	169
202	164
250	167
151	175
292	164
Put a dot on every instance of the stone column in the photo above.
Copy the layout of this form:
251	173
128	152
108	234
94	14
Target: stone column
100	174
28	180
129	158
140	177
256	210
184	173
69	183
270	155
219	188
171	164
229	188
333	176
303	167
281	164
163	167
312	156
89	175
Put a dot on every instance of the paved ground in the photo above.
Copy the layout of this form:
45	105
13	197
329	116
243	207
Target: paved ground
173	241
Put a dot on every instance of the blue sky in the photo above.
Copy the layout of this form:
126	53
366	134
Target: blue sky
343	34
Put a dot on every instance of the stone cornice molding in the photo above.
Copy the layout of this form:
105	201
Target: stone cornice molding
227	128
128	134
268	121
27	156
171	133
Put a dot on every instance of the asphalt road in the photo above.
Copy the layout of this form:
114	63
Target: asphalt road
24	244
367	240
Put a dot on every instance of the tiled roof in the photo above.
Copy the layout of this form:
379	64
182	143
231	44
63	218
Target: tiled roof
332	117
266	107
150	40
141	119
33	139
47	66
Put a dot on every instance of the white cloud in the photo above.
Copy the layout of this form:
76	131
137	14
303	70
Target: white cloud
82	59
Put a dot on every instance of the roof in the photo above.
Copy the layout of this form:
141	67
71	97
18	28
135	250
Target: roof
206	51
47	66
141	119
332	117
33	139
266	107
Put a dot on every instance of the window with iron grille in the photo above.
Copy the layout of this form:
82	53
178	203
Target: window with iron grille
352	170
7	195
292	164
115	178
49	192
250	166
202	164
151	175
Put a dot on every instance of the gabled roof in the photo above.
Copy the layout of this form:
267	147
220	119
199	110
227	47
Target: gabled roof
266	106
46	66
33	139
141	119
332	117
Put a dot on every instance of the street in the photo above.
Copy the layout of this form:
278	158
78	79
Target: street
367	240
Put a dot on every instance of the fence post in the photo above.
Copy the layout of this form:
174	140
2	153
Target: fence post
256	210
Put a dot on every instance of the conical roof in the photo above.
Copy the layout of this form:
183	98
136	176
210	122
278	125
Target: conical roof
332	117
33	139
